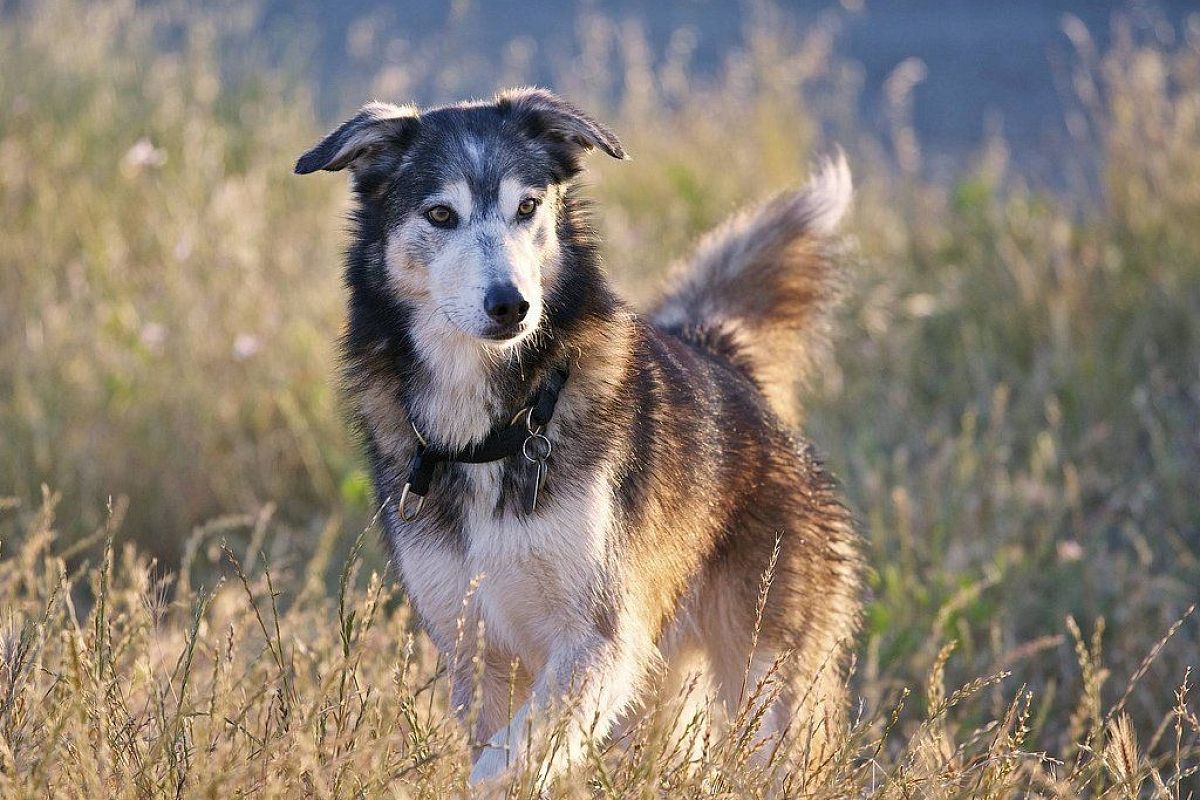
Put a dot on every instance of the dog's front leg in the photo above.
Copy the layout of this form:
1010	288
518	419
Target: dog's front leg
594	680
482	692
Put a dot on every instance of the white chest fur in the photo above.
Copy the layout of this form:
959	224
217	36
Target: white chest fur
535	577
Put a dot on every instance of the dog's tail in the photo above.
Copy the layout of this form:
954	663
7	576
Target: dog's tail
764	283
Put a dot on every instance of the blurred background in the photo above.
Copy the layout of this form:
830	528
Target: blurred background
1014	404
983	69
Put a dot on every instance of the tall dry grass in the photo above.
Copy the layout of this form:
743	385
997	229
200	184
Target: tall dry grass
170	304
1013	408
172	691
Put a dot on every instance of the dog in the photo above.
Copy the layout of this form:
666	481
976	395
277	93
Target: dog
599	492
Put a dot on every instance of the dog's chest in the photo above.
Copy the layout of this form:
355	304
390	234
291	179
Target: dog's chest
530	577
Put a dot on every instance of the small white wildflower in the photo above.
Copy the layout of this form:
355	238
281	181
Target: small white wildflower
152	336
1069	551
183	248
145	154
245	345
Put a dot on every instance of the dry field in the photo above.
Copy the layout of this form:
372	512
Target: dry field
193	602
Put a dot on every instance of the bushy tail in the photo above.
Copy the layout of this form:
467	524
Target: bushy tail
766	281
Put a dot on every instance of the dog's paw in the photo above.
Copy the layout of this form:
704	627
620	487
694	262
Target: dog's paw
491	765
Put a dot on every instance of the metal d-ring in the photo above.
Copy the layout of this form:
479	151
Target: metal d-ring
403	505
527	413
540	438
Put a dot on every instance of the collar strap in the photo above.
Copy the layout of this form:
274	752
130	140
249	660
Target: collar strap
502	442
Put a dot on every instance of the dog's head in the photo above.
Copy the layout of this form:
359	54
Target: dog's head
464	203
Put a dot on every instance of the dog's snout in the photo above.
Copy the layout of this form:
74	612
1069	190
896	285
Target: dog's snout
504	303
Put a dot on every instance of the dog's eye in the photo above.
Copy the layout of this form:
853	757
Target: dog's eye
442	217
528	206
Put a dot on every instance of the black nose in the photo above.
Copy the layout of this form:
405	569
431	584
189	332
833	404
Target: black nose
504	304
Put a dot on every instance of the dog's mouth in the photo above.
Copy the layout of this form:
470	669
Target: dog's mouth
493	335
504	334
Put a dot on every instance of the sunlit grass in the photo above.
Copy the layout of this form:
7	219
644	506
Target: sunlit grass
1013	410
247	689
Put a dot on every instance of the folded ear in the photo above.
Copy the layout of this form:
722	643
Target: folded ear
547	115
378	126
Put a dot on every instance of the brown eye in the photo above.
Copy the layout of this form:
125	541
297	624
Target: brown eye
442	217
528	206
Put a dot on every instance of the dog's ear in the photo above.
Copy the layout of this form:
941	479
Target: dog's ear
547	116
374	129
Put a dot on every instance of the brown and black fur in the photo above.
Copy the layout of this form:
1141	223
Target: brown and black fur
683	421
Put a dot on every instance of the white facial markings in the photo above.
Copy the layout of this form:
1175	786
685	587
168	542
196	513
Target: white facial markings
474	150
545	233
512	192
531	248
445	273
457	196
402	259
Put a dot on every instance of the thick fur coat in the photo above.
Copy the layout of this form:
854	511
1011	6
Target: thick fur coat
677	477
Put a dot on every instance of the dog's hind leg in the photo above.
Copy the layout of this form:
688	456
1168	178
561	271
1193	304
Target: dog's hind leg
785	702
789	718
680	718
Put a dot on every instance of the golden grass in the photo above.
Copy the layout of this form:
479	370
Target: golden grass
247	690
1012	408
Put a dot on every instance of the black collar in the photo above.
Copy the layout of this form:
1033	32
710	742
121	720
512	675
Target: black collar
503	441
